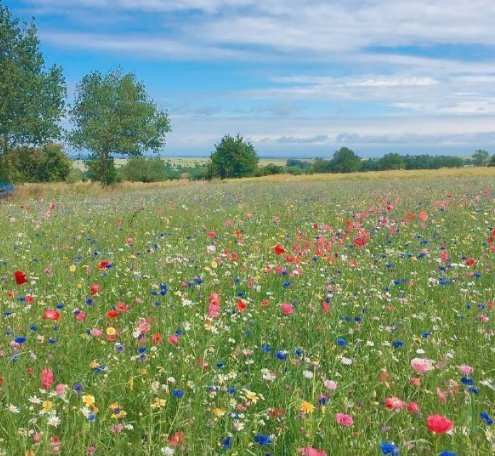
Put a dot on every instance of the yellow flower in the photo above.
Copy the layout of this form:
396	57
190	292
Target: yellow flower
94	364
250	396
47	405
307	407
72	268
88	400
159	403
218	411
111	331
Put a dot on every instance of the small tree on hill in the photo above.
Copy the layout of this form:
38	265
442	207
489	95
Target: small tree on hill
113	115
345	161
233	157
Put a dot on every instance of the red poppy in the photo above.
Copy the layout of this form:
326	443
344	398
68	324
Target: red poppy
51	314
156	338
29	299
121	307
104	264
20	277
241	305
278	249
439	424
470	262
112	314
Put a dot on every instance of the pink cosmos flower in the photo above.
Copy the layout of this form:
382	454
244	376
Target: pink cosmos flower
343	419
173	339
330	385
422	365
465	369
287	309
60	389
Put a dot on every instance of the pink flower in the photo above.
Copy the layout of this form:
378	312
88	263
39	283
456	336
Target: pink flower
423	216
421	365
343	419
96	332
394	403
465	369
173	339
60	389
46	378
287	309
309	451
413	407
330	385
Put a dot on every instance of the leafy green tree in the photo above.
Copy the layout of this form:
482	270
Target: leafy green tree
345	161
481	157
391	161
142	169
56	166
233	157
113	115
31	98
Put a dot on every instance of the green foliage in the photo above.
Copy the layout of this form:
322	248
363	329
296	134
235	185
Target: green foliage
270	169
31	98
102	170
481	157
142	169
233	157
391	161
28	164
345	161
113	115
432	161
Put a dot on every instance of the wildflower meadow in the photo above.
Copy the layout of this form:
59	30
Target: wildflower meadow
315	319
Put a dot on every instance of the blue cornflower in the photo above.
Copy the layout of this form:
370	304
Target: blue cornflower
231	390
220	365
447	453
226	443
467	381
389	448
20	340
287	284
397	344
177	393
473	390
281	355
486	418
266	348
263	439
341	342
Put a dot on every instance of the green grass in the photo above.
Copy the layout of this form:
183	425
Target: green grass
361	313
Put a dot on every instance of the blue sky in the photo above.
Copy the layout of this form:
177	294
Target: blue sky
296	78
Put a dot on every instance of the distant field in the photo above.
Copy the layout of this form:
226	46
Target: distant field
186	162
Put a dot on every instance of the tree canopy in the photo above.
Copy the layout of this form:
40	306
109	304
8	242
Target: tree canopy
233	157
113	115
31	98
481	157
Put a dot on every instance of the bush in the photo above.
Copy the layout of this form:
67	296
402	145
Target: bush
142	169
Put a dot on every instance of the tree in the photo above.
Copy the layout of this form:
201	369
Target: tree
233	157
392	161
46	164
31	98
141	169
345	161
480	157
113	115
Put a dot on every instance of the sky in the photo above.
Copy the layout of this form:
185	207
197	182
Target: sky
295	78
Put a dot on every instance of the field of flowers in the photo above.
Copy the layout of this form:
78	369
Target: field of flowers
324	318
